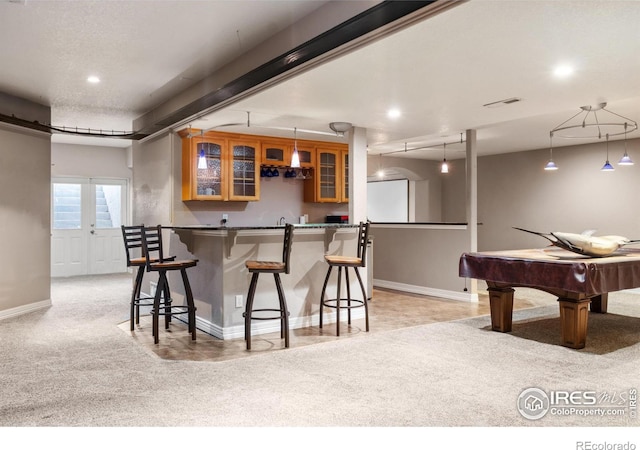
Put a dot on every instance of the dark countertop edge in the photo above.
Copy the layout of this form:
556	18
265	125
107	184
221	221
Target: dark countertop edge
273	227
419	223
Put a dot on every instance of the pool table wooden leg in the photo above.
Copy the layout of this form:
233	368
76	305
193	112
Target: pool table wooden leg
573	322
501	304
599	303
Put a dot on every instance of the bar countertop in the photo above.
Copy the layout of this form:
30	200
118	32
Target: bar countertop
272	227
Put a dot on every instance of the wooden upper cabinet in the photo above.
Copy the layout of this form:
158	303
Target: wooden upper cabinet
275	153
215	167
223	166
203	172
327	184
306	153
244	169
344	197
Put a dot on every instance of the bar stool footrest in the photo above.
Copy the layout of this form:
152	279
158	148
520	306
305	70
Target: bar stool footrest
281	316
337	303
175	310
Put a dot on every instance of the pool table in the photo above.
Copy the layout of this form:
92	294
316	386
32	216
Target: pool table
577	280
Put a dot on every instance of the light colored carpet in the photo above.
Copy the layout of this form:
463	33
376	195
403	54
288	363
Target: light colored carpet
70	365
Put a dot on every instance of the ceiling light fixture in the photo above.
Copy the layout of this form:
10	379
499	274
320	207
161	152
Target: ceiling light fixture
564	71
625	160
393	113
340	127
93	79
295	157
202	159
607	165
589	125
444	168
380	172
551	165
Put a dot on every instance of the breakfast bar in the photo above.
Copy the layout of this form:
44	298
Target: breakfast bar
220	281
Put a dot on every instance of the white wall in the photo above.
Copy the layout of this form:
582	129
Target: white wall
69	160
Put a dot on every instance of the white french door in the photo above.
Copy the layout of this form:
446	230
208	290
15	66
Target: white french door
86	238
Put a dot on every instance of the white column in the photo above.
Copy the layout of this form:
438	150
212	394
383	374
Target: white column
357	175
472	199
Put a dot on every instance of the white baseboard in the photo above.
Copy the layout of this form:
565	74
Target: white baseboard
423	290
268	326
19	310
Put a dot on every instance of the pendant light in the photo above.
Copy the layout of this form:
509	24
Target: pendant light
444	168
607	165
551	165
202	160
625	160
380	172
295	157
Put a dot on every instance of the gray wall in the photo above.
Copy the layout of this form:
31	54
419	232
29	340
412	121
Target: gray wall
514	190
25	215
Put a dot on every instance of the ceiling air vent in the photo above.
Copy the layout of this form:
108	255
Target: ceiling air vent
500	103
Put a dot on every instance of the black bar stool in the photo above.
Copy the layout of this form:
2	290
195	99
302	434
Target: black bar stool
347	262
152	244
132	236
276	268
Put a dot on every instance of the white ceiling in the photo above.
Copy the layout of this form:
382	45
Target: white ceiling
438	72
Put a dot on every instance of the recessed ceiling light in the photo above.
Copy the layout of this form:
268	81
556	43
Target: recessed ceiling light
393	113
93	79
563	71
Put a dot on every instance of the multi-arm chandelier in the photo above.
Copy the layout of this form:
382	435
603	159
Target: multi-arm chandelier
593	122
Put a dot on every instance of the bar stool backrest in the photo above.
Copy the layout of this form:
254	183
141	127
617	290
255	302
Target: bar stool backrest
363	239
132	236
152	245
286	248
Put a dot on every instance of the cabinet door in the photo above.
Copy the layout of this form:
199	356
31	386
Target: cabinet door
243	169
203	174
328	175
344	198
274	154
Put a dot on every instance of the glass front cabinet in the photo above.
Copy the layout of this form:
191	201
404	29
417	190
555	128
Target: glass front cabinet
344	196
275	154
219	166
215	167
328	184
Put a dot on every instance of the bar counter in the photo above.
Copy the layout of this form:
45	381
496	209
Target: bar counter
220	281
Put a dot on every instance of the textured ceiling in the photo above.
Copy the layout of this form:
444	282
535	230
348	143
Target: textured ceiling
439	72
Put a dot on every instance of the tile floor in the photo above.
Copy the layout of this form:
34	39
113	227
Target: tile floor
388	310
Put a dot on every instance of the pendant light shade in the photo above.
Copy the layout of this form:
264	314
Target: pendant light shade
625	160
202	160
444	168
607	165
295	157
551	165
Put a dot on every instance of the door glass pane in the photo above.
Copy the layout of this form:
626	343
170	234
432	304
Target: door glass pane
327	175
244	171
209	181
67	206
108	206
